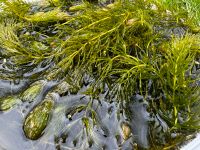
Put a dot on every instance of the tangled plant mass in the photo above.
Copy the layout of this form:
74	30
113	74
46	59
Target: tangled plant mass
120	74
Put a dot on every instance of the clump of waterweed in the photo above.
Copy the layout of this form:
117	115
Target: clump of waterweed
126	48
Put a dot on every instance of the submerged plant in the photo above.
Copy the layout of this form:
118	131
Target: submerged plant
143	55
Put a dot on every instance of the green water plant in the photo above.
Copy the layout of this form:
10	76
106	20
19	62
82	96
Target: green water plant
124	48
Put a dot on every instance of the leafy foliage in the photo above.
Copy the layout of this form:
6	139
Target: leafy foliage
145	47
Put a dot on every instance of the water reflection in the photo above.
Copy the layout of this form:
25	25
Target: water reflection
12	138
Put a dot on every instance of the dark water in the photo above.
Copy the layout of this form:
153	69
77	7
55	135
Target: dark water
11	121
67	129
103	135
77	121
12	137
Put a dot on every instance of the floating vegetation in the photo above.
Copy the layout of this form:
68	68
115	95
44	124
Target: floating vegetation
126	73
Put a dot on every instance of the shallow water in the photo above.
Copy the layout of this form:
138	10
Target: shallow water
103	135
67	127
107	133
11	121
12	137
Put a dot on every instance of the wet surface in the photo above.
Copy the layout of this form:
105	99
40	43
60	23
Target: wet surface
139	120
12	137
78	121
69	127
15	106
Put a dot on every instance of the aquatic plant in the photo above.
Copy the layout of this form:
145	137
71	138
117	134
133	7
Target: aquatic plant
142	54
